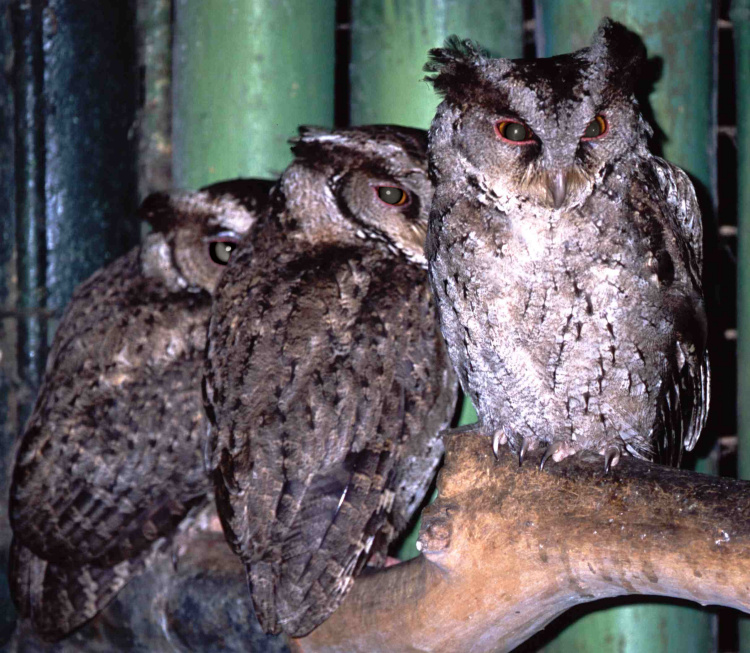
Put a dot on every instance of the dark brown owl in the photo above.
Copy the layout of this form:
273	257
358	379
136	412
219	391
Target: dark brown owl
327	383
565	257
111	460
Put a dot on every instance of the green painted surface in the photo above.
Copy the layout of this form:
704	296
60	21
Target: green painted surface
390	40
246	74
680	33
740	16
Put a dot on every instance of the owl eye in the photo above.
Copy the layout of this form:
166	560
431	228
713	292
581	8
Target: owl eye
221	250
596	128
392	195
514	132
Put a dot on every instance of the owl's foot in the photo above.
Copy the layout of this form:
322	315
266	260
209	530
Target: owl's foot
523	450
550	452
500	437
558	450
611	457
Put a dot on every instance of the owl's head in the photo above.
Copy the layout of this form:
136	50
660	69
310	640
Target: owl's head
359	184
196	231
540	131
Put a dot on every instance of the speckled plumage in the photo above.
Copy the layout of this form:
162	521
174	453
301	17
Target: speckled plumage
327	382
111	460
567	272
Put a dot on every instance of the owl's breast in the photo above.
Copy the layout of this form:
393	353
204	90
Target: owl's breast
556	323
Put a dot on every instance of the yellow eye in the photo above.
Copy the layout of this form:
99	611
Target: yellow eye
597	127
392	195
221	251
514	132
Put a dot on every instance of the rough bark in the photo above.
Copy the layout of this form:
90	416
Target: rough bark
505	551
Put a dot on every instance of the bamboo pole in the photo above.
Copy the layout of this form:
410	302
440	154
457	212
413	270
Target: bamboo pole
246	74
390	40
683	109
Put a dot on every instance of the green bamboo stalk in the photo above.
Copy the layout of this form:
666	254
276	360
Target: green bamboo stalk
155	122
740	16
681	34
246	74
390	40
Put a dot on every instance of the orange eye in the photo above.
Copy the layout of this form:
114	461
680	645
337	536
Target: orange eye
514	132
596	128
392	195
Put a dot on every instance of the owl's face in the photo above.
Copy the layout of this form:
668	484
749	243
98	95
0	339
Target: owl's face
365	183
539	131
196	232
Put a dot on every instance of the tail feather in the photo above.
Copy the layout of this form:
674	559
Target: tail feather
60	598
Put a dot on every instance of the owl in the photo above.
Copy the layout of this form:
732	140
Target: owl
327	383
565	258
111	460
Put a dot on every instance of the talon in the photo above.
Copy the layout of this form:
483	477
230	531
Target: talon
523	450
497	439
611	457
551	451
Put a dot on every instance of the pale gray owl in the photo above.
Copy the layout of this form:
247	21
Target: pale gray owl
111	459
566	258
327	382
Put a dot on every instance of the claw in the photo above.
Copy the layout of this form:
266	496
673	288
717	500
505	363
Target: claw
523	450
611	457
550	451
497	439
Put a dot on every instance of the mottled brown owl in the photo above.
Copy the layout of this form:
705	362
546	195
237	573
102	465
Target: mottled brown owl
565	257
327	382
111	460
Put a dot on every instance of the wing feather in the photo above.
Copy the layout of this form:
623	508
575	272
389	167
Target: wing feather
309	429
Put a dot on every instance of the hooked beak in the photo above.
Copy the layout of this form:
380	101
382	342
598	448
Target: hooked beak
557	186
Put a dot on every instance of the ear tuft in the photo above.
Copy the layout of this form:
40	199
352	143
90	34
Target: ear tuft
454	63
622	49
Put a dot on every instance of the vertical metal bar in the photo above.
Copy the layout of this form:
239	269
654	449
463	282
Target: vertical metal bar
90	90
390	40
74	86
246	74
681	34
31	253
740	17
8	325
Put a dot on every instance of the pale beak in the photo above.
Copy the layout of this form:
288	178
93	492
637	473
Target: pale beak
557	185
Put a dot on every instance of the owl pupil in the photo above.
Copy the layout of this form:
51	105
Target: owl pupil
391	195
594	128
221	252
515	132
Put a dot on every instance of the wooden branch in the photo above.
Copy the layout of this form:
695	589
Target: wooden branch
506	550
